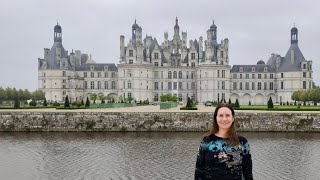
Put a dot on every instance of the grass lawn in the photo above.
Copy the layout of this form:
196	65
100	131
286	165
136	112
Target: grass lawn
282	108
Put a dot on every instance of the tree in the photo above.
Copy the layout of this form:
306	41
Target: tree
3	95
66	102
82	103
87	102
189	103
102	98
270	103
249	103
130	99
16	103
229	101
37	95
236	104
93	97
45	102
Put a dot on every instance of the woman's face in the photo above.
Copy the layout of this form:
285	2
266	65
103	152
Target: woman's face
224	118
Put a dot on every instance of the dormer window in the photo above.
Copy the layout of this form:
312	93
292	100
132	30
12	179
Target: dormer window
105	68
91	68
253	69
130	53
156	55
241	69
304	66
265	69
130	61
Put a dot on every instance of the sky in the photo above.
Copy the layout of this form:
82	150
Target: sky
255	29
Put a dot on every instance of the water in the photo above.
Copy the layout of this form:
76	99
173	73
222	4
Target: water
146	155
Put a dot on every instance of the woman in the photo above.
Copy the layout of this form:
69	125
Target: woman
222	153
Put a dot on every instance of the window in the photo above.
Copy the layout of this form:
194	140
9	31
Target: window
130	53
63	64
281	75
175	86
253	69
304	84
240	85
265	76
234	76
247	86
247	76
193	55
180	85
130	61
169	75
85	85
304	66
113	85
44	74
180	75
234	86
304	74
222	85
85	74
240	76
192	75
271	76
113	74
129	84
281	85
106	74
253	76
99	85
265	69
259	76
156	64
187	75
218	73
259	85
221	54
271	85
265	86
156	55
129	74
193	64
156	87
129	95
175	75
63	86
106	85
92	74
253	86
63	73
223	73
161	85
193	86
99	74
180	97
156	74
169	85
240	69
161	74
92	84
156	97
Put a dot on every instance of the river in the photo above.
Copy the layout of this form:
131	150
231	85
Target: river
146	155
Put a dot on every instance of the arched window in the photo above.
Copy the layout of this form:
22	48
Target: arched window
180	75
169	75
175	75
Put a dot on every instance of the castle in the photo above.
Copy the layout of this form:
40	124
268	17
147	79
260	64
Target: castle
197	68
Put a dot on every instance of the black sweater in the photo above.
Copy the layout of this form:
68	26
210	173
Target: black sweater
218	160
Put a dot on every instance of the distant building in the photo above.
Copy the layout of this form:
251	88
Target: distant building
199	70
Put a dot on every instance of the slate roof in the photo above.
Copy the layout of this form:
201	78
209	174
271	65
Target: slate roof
97	67
286	64
52	58
248	68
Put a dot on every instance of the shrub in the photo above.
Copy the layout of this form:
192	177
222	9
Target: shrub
87	102
45	102
270	103
66	102
33	103
236	104
56	104
16	103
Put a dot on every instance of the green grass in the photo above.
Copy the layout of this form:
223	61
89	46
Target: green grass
282	108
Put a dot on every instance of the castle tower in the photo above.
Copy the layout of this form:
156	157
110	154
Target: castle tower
57	33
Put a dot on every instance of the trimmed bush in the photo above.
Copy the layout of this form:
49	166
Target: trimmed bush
270	103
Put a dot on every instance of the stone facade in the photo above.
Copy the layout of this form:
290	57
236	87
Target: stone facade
198	69
156	121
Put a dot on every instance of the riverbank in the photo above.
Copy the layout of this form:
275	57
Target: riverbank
151	118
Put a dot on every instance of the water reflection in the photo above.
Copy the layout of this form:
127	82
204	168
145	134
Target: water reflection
146	155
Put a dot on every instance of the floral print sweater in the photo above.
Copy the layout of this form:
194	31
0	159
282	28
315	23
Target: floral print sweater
218	160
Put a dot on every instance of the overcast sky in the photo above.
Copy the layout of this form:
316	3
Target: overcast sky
255	29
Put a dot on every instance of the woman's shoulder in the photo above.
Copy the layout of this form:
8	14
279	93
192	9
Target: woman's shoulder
243	140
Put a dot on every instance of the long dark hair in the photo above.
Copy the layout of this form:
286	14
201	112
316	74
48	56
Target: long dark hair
232	135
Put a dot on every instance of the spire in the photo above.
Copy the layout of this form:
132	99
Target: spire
57	33
294	35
